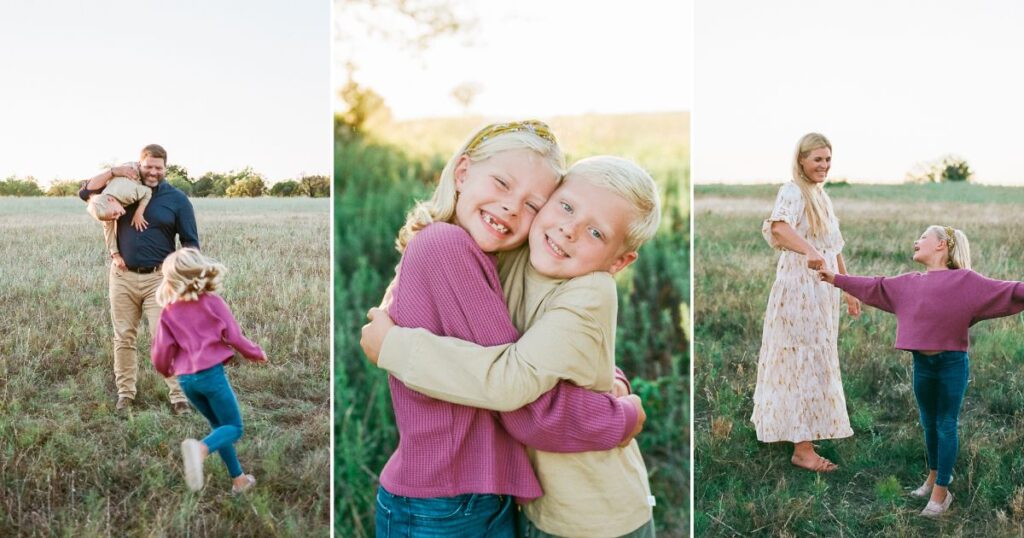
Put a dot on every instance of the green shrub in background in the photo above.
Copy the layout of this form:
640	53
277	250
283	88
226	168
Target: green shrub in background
375	185
948	168
69	187
12	186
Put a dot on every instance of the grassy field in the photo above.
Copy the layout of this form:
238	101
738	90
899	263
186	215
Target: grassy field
71	466
745	487
377	180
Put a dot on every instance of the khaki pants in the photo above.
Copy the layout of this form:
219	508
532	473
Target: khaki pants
527	530
131	295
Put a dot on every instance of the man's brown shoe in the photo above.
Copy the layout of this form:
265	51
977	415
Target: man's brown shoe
180	408
124	403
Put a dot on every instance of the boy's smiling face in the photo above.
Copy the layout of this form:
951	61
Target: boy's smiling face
581	229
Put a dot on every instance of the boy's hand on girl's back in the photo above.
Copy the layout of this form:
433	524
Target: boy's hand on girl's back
641	417
619	389
373	333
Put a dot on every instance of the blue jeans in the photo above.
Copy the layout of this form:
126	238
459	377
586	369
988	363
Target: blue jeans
940	382
462	516
210	393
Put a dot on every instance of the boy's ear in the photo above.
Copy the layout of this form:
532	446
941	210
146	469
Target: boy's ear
623	262
461	167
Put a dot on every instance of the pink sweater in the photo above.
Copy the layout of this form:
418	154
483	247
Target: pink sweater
935	309
196	335
450	287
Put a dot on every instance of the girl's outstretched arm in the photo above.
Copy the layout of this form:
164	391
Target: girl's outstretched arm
995	298
877	291
232	333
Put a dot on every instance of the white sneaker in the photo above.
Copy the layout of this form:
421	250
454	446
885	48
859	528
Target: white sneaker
250	481
935	509
925	490
192	457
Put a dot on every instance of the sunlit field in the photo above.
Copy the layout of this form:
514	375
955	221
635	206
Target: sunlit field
745	487
71	466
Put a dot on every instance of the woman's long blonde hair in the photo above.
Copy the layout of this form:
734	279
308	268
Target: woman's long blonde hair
187	275
957	247
485	143
815	201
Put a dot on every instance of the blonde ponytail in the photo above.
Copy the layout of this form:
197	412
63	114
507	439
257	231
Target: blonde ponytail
957	246
187	275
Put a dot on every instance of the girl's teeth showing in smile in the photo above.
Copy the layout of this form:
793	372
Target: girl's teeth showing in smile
489	219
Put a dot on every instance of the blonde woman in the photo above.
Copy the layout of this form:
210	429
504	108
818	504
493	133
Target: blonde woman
799	394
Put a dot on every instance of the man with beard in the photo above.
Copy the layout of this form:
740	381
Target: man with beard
135	275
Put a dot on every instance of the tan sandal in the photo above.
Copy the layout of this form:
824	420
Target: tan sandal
823	465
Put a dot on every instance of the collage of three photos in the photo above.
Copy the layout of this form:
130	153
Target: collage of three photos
459	268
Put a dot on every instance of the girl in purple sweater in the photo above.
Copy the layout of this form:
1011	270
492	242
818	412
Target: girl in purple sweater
457	468
934	311
196	336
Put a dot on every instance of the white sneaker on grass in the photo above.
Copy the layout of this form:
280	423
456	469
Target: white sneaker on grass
935	509
250	481
192	457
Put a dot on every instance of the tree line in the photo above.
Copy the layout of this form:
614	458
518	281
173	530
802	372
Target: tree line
245	183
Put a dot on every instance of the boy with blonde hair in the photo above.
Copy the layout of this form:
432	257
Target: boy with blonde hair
108	205
560	291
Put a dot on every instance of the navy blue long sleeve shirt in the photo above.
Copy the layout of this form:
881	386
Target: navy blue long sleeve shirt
169	213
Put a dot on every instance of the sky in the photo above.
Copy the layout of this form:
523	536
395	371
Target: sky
221	85
892	84
529	58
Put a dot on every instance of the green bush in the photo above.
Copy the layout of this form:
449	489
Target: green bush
69	187
285	188
249	187
13	186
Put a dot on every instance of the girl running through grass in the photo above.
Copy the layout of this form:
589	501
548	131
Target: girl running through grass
934	311
196	336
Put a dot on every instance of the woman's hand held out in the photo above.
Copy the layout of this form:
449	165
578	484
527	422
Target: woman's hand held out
815	260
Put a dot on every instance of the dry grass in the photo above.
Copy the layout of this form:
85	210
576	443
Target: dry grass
743	486
70	466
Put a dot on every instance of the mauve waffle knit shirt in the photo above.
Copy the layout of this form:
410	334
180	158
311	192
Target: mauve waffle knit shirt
934	310
196	335
450	287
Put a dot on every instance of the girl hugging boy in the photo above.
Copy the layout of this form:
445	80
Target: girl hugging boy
560	291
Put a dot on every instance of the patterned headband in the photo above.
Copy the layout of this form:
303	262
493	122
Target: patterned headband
538	128
950	241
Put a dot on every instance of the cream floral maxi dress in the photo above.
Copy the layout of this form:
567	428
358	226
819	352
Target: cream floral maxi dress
799	393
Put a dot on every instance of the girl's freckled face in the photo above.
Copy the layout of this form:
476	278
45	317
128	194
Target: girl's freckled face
499	197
